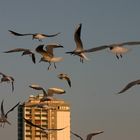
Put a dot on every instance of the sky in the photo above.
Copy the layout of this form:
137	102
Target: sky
92	97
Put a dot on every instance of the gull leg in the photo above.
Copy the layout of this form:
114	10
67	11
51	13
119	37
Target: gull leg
49	66
54	65
117	56
121	55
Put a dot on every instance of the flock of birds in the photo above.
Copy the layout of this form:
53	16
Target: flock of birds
47	55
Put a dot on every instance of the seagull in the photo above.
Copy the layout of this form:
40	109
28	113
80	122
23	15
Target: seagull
25	52
49	93
48	55
6	78
3	117
38	36
79	44
89	136
117	48
64	76
129	85
43	129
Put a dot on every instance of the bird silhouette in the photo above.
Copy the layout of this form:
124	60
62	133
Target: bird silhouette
129	85
64	76
89	136
38	36
79	45
25	52
7	78
48	55
117	48
4	116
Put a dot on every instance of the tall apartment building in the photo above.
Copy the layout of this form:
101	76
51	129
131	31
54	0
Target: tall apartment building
54	114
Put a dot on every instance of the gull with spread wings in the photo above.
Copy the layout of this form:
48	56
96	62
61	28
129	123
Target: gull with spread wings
48	55
117	48
38	36
64	76
129	85
79	45
89	136
7	78
47	95
44	130
4	116
25	52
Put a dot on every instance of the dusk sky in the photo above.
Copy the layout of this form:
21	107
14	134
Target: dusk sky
92	97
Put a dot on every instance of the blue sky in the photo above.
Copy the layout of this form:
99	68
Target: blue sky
94	104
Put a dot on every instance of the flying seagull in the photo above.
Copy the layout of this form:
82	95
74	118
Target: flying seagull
48	55
79	44
64	76
3	117
7	78
49	92
25	52
89	136
129	85
117	48
43	129
38	36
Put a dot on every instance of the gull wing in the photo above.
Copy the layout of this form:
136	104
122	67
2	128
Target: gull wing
40	50
31	124
89	136
56	129
12	109
51	35
77	38
54	90
12	85
2	109
96	49
18	34
68	80
76	135
65	77
37	87
130	43
50	47
129	85
3	74
33	58
16	50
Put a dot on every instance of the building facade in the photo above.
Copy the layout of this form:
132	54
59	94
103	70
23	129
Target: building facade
48	114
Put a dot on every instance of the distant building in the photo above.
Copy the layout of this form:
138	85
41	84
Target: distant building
54	114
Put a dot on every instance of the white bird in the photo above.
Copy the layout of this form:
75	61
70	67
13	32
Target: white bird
89	136
25	52
38	36
64	76
48	55
4	116
129	85
117	48
7	78
49	93
44	130
79	44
